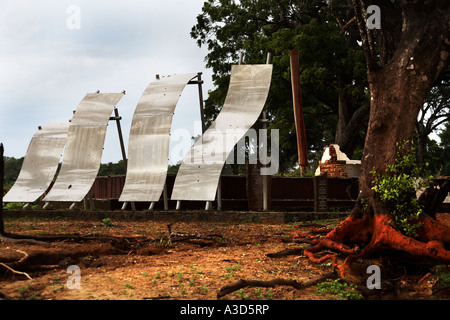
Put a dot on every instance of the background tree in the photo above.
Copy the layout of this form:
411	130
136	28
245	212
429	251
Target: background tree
12	168
333	70
445	151
433	113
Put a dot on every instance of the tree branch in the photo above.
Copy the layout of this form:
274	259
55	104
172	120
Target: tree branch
367	40
18	262
241	283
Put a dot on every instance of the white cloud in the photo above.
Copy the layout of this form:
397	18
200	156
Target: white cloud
47	68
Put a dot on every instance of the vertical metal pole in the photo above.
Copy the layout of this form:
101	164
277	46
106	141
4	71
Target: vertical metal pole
91	200
219	195
298	112
200	98
269	58
122	148
265	183
264	126
166	201
122	145
202	117
178	205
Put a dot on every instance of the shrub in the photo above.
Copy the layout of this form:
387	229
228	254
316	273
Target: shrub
396	187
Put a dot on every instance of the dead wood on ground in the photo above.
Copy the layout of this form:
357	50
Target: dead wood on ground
242	283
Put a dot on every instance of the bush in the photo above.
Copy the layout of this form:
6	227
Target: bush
397	186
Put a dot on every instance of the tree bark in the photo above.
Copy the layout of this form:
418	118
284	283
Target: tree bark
399	88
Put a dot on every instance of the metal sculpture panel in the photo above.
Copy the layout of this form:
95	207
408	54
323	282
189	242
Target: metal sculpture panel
84	148
199	174
148	146
40	163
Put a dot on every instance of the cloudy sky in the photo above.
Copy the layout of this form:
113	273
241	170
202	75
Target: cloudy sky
51	56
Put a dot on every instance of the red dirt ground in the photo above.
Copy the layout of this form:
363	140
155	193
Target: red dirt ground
146	266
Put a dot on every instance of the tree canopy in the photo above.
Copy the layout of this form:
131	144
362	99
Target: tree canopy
332	66
333	69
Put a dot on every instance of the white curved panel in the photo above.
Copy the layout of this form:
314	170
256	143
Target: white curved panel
199	174
148	146
40	163
84	148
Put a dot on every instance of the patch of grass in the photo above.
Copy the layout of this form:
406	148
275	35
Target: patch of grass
180	275
230	271
58	288
129	286
107	223
29	293
204	289
444	275
242	295
340	289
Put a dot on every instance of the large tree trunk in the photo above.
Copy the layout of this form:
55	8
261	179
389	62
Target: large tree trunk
398	85
399	88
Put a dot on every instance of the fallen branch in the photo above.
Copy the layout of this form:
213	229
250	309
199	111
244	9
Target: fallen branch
7	239
285	252
159	297
21	260
241	283
189	236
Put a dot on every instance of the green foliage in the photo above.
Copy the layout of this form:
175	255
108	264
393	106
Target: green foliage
341	289
111	169
107	223
445	153
329	64
443	272
396	187
12	169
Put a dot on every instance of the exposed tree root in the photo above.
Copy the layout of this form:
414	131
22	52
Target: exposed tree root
360	236
285	252
18	262
8	239
273	283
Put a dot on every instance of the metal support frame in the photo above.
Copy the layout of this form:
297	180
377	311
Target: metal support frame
264	121
117	118
198	82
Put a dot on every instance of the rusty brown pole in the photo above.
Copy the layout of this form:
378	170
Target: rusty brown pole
2	170
298	112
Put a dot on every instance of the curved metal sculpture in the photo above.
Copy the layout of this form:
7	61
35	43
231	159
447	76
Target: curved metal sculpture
148	146
40	163
199	174
84	148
